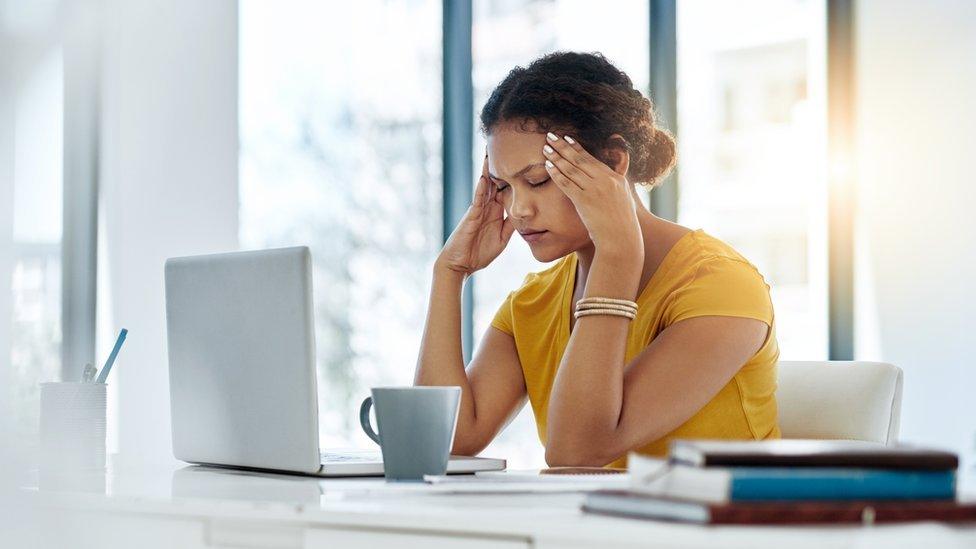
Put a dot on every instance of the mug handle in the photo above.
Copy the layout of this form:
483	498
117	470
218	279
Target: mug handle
364	419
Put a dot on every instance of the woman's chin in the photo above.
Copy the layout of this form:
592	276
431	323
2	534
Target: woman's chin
546	254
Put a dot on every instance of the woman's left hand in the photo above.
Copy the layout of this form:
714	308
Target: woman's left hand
602	196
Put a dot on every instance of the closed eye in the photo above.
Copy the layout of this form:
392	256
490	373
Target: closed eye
500	186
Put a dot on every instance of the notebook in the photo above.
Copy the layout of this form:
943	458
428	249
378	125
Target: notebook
634	505
810	453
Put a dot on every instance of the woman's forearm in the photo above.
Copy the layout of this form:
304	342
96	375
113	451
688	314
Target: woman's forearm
441	360
587	395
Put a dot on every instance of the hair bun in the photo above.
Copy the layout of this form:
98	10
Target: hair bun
661	158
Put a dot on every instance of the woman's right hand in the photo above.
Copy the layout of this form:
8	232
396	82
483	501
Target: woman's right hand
482	233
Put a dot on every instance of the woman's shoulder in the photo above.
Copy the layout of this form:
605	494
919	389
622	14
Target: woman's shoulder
711	278
707	247
704	252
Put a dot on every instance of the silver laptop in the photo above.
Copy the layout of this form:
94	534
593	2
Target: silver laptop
241	338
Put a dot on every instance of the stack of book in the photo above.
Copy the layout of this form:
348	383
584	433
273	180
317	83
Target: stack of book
789	482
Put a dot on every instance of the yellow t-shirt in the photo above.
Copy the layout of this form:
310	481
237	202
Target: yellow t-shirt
699	276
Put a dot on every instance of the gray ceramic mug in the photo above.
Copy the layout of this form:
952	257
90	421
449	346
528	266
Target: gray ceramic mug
416	428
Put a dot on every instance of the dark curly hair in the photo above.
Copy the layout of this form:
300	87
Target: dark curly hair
586	96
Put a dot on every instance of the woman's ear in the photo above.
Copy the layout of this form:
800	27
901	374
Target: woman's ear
618	154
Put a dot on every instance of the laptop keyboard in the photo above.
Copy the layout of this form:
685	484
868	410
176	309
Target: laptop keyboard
350	457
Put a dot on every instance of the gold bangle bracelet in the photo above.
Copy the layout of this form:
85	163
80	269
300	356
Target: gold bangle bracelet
607	300
604	312
590	306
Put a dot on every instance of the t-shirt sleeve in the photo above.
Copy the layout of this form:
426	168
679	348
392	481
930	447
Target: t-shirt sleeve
722	287
503	317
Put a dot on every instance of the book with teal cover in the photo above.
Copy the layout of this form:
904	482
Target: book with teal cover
827	483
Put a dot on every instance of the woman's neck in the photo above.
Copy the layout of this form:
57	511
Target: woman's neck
659	237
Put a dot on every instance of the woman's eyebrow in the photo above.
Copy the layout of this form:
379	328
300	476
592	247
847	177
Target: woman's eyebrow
520	172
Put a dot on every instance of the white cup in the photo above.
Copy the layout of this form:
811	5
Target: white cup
72	426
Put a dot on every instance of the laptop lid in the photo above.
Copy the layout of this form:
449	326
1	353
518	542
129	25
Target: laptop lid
241	342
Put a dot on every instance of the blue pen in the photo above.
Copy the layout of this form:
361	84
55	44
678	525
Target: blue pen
111	358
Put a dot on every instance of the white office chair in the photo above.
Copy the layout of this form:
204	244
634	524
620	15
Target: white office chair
839	400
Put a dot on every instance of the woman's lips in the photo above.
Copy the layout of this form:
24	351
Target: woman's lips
533	236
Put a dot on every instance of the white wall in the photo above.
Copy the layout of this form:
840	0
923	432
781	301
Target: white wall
6	219
169	185
30	184
916	65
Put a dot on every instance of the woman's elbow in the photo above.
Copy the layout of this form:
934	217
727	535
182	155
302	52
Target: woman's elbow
577	447
468	445
557	456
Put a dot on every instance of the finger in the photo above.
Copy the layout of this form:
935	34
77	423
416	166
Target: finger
491	192
582	153
498	197
484	166
481	191
494	209
581	178
571	150
508	228
568	186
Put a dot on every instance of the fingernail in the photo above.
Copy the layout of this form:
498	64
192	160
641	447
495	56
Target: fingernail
548	149
548	164
551	137
569	140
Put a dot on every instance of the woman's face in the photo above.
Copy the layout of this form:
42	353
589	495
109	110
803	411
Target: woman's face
542	214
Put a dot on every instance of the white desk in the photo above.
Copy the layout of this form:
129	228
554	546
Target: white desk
194	507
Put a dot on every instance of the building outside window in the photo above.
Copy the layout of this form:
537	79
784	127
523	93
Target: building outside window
752	148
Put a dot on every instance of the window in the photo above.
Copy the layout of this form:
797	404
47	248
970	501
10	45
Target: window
506	33
340	121
752	146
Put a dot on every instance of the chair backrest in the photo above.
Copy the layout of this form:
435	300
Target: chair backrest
839	400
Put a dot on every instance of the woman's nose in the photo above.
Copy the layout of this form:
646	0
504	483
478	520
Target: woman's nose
521	205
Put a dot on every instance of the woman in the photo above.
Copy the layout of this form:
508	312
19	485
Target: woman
643	331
